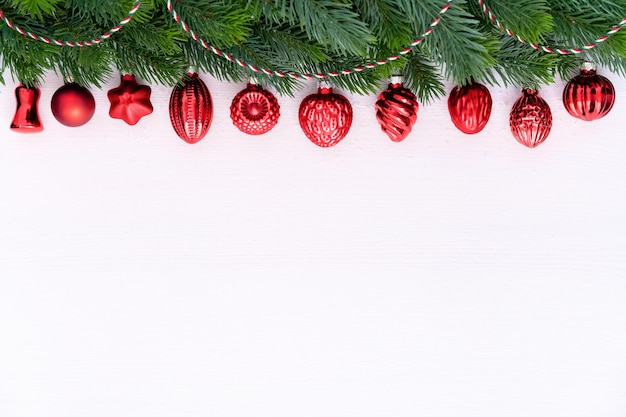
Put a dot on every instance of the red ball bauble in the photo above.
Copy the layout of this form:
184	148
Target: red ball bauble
530	119
26	119
73	105
589	96
396	111
130	101
191	109
470	107
254	110
325	117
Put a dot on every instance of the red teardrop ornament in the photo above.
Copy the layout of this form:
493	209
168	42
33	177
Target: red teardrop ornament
396	111
589	96
73	105
26	119
325	117
470	107
130	101
254	110
191	109
530	119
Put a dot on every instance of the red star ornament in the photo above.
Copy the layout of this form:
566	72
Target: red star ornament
130	101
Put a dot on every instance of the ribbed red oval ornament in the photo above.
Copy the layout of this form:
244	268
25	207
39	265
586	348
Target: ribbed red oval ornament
589	96
191	109
325	117
254	110
470	107
396	111
530	119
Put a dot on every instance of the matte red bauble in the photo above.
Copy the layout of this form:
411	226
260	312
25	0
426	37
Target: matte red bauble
73	105
325	117
589	96
396	111
26	119
254	110
130	101
470	107
191	109
530	119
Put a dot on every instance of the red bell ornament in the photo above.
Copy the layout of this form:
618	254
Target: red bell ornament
130	101
73	105
396	110
325	117
191	109
26	119
530	119
470	107
254	110
589	96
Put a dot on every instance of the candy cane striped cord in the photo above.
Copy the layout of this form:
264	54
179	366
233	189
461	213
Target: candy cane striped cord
57	42
305	76
561	51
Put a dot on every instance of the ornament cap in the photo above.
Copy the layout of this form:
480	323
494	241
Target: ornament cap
396	79
589	66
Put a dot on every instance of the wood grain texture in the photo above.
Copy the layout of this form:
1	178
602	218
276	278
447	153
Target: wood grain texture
447	275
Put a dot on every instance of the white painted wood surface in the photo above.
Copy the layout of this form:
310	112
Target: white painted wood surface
264	277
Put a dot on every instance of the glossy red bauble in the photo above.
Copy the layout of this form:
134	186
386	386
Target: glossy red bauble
530	119
589	96
130	101
325	117
254	110
26	119
470	107
73	105
396	111
191	109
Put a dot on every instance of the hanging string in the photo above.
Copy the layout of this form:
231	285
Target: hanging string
547	49
57	42
306	76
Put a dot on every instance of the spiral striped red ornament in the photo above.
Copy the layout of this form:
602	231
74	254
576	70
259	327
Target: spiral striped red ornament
191	109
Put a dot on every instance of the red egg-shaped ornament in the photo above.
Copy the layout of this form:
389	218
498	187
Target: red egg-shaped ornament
26	119
589	96
396	110
73	105
191	109
530	119
470	107
325	117
254	110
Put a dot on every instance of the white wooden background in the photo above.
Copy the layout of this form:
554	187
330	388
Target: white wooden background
244	276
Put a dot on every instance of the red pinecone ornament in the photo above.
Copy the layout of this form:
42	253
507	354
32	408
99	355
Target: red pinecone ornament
130	101
470	107
325	117
191	109
589	96
530	119
396	111
26	119
254	110
73	105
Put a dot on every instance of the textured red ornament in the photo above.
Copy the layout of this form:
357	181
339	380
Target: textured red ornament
26	119
589	96
396	111
325	117
470	107
130	101
191	109
73	105
254	110
530	119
